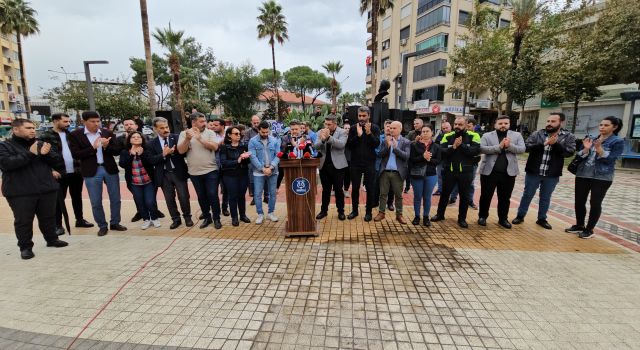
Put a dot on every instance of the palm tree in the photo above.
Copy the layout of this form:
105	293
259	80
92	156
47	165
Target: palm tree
151	85
173	41
378	8
273	25
17	16
523	14
334	69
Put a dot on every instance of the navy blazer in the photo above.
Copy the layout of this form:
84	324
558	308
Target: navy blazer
153	149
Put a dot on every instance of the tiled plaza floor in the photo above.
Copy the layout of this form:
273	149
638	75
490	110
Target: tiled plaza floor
356	286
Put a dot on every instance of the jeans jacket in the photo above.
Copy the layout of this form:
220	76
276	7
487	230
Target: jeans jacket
257	153
601	168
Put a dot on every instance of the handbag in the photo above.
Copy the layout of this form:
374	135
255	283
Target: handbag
418	171
573	166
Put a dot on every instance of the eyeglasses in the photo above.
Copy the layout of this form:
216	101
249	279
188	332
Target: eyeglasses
235	133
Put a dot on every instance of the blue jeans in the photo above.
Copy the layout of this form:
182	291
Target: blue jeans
531	183
145	198
236	186
94	187
439	175
422	191
271	182
206	187
472	191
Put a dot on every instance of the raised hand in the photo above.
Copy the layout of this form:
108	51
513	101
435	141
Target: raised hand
104	142
46	147
457	142
56	175
189	134
587	143
97	143
168	150
359	129
34	148
507	142
551	140
427	155
367	128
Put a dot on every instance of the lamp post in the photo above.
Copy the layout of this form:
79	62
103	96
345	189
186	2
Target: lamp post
87	75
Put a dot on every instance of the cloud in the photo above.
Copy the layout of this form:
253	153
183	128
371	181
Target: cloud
72	31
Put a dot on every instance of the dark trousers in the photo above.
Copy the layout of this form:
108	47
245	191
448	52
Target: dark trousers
598	189
369	180
225	193
171	185
488	185
25	208
280	177
449	181
145	198
236	186
347	178
73	183
332	178
206	187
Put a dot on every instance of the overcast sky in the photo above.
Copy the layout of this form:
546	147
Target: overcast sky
72	31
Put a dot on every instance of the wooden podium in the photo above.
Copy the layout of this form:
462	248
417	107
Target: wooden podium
301	184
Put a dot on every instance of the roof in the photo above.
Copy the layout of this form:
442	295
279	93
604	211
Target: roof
290	98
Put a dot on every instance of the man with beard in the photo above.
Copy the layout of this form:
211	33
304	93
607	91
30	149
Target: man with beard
331	143
198	143
445	128
418	123
70	179
498	169
218	126
29	168
251	133
459	148
547	149
264	150
170	172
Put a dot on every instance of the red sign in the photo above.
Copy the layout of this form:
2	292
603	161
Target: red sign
368	61
435	108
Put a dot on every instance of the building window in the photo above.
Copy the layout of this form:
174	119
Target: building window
463	18
9	87
386	44
385	63
434	43
405	32
426	5
495	2
504	23
456	95
437	68
461	43
386	23
2	107
434	18
19	90
433	93
405	11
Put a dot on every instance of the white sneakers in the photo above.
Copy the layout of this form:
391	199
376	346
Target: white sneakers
147	223
346	194
259	219
272	217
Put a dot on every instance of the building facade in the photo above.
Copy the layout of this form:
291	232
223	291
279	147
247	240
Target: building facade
11	89
415	25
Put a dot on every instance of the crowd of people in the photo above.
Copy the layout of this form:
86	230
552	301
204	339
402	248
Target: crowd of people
224	162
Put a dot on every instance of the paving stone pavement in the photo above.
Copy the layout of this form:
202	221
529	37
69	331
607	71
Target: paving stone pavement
356	286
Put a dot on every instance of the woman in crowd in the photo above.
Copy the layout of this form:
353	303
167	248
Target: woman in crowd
138	172
234	159
424	157
595	174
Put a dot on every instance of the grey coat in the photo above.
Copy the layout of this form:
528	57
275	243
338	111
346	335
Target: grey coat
338	142
402	156
490	147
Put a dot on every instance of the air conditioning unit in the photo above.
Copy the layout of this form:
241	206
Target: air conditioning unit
403	42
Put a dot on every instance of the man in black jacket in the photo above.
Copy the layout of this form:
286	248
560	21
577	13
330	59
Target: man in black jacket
70	178
29	185
459	149
170	172
547	150
363	139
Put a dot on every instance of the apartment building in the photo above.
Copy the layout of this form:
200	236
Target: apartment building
11	98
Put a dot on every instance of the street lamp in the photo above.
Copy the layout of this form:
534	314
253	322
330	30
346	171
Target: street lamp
87	75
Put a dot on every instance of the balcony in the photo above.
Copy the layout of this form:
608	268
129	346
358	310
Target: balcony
369	26
369	44
367	79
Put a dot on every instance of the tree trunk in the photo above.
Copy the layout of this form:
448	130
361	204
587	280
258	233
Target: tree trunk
576	102
333	93
23	79
174	66
464	102
151	85
275	79
375	6
517	44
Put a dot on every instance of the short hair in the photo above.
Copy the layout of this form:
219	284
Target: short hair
294	122
58	116
463	118
331	118
195	116
617	122
419	119
128	118
427	126
364	109
388	121
472	121
227	134
264	125
158	120
18	122
86	115
306	123
128	142
219	120
559	114
503	116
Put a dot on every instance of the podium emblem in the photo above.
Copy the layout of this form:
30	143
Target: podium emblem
300	186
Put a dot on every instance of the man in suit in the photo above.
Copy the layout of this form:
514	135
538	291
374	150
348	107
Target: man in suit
70	179
393	170
331	144
170	172
93	146
499	168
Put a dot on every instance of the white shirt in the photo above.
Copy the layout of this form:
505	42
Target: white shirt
92	138
66	152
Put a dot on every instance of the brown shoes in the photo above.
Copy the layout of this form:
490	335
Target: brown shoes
379	217
400	219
